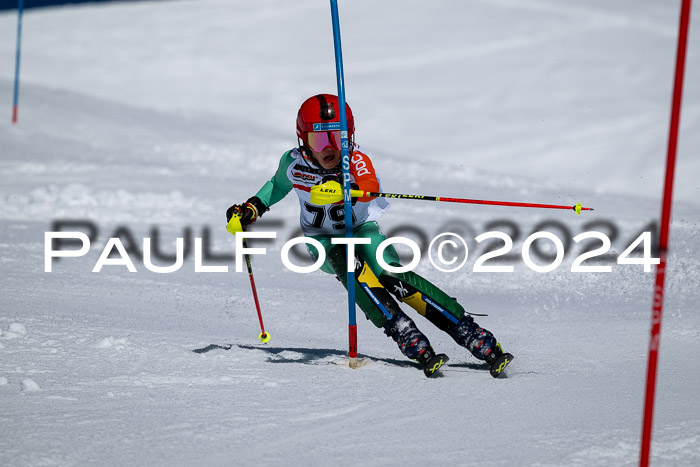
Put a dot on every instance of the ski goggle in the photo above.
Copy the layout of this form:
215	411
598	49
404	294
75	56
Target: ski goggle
318	141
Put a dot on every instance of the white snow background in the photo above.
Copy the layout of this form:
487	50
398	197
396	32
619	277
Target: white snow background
162	114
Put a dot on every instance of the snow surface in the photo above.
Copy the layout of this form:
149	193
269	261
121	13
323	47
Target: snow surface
161	114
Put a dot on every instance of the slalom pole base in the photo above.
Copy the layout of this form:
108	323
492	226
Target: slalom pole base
352	349
264	337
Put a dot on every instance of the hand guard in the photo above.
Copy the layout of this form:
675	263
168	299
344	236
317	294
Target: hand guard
248	211
335	178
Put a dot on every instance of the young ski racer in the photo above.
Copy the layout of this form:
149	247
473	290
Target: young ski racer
317	160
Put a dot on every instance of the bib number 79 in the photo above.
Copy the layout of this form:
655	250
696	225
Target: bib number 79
336	212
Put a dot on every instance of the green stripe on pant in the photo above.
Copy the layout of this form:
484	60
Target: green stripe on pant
410	288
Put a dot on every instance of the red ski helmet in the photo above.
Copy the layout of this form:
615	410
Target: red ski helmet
318	114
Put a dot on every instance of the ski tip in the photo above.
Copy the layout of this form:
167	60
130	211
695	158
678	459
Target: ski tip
264	337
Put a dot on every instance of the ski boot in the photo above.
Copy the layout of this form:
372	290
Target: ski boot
413	343
481	343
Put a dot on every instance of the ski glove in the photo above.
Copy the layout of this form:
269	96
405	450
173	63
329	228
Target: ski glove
248	211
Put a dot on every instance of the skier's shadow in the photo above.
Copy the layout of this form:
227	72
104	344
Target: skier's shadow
308	356
303	355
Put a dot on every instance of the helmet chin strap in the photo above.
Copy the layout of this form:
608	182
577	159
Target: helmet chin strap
305	150
308	153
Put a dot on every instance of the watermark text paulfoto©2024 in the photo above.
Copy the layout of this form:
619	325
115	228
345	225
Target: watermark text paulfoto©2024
443	261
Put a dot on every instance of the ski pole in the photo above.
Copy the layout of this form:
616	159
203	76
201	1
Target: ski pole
233	227
264	337
331	192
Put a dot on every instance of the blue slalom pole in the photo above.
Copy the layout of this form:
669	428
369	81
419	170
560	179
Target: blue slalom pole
345	154
15	101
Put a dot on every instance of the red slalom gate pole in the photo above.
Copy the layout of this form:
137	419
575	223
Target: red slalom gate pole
657	307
